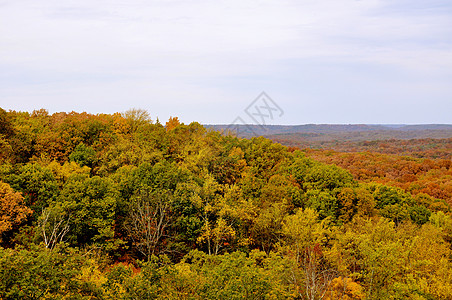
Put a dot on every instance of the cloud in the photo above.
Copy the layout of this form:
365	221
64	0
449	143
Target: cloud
222	51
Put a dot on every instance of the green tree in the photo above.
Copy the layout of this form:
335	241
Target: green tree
229	276
37	183
39	273
328	177
83	155
90	205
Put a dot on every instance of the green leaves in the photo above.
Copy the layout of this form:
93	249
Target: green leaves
36	182
90	204
83	155
328	177
122	188
229	276
39	273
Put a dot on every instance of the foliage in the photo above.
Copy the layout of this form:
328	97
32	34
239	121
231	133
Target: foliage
121	207
83	155
39	273
12	209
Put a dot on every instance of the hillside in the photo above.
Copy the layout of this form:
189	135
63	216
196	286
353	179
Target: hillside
421	141
119	206
340	131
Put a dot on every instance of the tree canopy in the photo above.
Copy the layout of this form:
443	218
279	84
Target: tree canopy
117	206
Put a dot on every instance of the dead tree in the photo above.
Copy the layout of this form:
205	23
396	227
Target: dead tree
318	277
148	221
53	227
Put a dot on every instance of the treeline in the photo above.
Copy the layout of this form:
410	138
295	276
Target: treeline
123	207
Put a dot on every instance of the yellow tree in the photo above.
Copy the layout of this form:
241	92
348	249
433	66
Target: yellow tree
344	288
217	230
304	236
12	208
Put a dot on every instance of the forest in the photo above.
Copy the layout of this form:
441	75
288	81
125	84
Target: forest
122	206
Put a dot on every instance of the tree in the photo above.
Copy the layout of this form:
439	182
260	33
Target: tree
6	131
266	230
265	157
37	183
206	199
148	221
216	235
38	273
91	204
5	148
83	155
354	201
155	281
328	177
6	128
305	236
230	276
53	226
172	123
136	118
227	168
345	289
12	208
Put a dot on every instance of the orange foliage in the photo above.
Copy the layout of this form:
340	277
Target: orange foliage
415	175
12	209
344	288
172	123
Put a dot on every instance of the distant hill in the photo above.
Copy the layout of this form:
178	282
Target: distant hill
338	130
422	141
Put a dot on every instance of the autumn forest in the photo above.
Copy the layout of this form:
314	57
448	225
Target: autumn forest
124	206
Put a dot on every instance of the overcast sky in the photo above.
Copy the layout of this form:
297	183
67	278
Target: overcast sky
321	61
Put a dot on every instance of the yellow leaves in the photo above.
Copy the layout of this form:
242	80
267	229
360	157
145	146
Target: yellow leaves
391	259
120	124
136	118
183	269
195	155
63	172
90	274
245	242
210	187
12	209
344	288
206	232
442	279
206	197
223	231
235	206
216	236
240	162
304	228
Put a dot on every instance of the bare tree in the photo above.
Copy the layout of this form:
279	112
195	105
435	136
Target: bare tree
53	227
136	118
148	221
317	278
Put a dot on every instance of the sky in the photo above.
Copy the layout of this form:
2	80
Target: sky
318	61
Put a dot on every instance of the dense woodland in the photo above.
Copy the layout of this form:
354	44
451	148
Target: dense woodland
120	206
364	142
